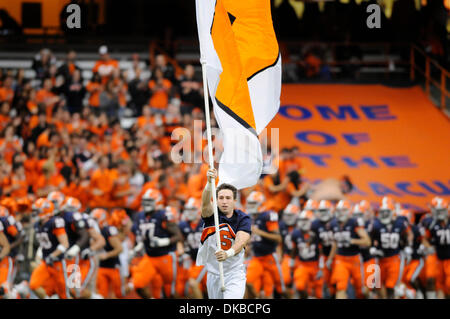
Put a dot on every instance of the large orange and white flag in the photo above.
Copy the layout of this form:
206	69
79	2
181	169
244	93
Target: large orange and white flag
243	67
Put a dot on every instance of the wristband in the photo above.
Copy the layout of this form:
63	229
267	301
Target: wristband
230	252
61	248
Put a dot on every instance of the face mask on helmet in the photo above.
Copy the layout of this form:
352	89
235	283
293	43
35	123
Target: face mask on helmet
441	213
252	207
342	215
148	205
289	219
324	215
304	224
385	216
190	214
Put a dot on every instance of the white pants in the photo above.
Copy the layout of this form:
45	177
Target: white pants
234	285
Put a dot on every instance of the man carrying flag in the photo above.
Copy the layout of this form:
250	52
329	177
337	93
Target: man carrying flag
241	67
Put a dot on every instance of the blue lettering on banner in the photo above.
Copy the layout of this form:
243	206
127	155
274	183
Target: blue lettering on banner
290	111
413	207
316	138
404	187
318	159
356	138
378	112
442	191
328	113
397	161
382	190
356	163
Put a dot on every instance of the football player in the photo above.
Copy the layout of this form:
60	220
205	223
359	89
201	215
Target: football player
108	275
53	243
158	235
438	235
15	235
307	272
349	235
389	234
264	241
320	227
191	228
287	225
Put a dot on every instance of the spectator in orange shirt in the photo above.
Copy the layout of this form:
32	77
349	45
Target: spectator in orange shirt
9	144
105	66
4	115
6	91
102	183
94	87
46	97
275	192
160	89
18	187
49	181
121	189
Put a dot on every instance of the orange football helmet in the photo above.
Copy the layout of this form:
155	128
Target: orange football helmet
305	219
192	209
290	214
44	208
152	200
311	204
71	204
439	208
324	210
386	210
343	210
57	198
254	202
118	218
100	215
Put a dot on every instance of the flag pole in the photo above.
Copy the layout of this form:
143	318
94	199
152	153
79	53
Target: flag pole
211	166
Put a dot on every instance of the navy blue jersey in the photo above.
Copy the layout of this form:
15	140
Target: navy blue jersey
389	237
12	230
47	235
192	234
365	251
439	237
239	221
268	222
74	223
286	235
343	234
324	234
154	225
112	262
307	245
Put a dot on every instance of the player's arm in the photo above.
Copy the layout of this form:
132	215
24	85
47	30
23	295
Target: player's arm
207	209
363	240
273	236
175	232
116	244
241	240
83	241
98	241
5	246
63	244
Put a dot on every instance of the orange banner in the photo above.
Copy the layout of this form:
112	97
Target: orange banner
390	141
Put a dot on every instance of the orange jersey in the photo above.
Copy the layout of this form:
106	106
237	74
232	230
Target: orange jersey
160	96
